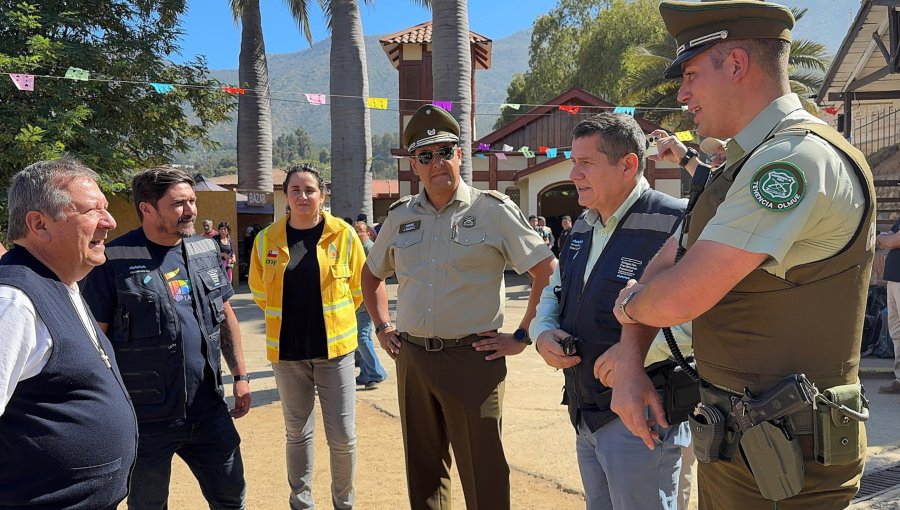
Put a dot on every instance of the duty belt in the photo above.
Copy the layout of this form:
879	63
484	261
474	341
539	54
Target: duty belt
801	420
433	344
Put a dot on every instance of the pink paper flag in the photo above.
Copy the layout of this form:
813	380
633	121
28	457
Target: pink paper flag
315	98
447	105
23	81
500	155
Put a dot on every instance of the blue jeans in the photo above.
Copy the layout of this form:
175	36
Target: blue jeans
210	448
619	472
370	369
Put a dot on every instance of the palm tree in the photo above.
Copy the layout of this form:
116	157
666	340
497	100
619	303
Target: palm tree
351	133
254	126
645	85
451	69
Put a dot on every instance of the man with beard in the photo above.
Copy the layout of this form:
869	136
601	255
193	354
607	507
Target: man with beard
162	299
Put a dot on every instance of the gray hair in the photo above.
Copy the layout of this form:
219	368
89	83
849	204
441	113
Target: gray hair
42	187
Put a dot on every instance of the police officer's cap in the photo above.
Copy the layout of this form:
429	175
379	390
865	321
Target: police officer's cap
697	26
429	125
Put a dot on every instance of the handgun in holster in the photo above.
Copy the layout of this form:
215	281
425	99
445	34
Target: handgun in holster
768	441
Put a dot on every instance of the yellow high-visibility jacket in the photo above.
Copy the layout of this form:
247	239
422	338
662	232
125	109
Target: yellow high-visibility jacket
341	258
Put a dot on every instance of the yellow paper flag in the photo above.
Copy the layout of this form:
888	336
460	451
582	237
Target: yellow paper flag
378	103
684	136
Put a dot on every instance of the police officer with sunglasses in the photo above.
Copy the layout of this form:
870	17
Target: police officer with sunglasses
448	246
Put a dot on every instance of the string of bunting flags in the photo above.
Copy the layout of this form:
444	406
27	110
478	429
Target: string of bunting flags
26	82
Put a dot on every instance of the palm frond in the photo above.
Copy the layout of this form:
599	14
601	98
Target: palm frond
300	13
237	8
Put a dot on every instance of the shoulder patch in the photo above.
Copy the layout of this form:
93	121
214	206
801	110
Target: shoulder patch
400	202
778	186
496	194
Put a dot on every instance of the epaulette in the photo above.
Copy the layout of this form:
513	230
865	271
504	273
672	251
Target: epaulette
400	202
496	194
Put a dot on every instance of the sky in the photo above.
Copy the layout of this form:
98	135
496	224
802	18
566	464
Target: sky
210	30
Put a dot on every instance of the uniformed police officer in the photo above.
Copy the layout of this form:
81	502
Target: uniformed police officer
779	252
448	246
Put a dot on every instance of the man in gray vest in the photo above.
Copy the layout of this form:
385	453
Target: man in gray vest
162	298
624	226
67	430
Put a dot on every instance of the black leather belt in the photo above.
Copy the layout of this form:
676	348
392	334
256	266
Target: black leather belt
803	420
437	344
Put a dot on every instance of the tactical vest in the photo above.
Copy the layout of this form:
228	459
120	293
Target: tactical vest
145	323
586	310
68	436
810	322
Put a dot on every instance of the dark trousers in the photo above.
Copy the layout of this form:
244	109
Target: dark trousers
452	397
210	448
726	485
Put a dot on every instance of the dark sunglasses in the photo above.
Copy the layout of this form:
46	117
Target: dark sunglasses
425	157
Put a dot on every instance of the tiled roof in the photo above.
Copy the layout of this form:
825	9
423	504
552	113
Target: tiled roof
421	34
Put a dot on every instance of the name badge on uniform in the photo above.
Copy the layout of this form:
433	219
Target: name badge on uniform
409	227
468	221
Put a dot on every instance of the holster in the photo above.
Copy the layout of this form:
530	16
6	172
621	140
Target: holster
775	460
680	393
837	433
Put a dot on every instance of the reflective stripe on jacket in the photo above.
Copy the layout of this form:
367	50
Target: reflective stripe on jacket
341	257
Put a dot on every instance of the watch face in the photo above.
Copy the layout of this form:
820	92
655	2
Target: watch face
520	335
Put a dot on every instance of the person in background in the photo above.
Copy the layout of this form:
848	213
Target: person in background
546	232
208	229
162	298
566	224
365	219
67	428
305	275
371	373
891	241
226	249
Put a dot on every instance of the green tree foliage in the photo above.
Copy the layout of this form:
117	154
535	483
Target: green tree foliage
515	94
383	165
291	147
113	126
582	43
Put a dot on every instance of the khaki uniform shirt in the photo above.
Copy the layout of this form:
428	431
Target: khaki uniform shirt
449	263
820	225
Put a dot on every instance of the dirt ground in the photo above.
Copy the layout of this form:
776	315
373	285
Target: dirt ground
380	480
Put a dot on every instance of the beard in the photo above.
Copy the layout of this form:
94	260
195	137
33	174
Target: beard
183	228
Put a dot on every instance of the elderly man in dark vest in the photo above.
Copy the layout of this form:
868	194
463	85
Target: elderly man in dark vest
67	429
625	225
779	253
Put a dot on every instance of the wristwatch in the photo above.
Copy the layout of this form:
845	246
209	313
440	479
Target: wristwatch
624	303
383	326
242	377
521	336
690	154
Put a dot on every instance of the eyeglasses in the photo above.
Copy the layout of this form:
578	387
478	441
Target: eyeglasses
425	157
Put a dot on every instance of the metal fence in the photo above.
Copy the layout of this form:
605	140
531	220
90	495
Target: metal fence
877	131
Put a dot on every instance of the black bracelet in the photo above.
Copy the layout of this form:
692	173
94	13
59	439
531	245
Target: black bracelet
688	156
383	326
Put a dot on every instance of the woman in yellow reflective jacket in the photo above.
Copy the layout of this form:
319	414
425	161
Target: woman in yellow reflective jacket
305	275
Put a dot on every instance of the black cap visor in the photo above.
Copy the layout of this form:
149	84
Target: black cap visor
674	69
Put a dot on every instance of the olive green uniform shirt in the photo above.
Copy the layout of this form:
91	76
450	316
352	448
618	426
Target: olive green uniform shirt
820	225
449	262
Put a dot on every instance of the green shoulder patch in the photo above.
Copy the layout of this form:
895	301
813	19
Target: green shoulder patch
400	202
779	186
